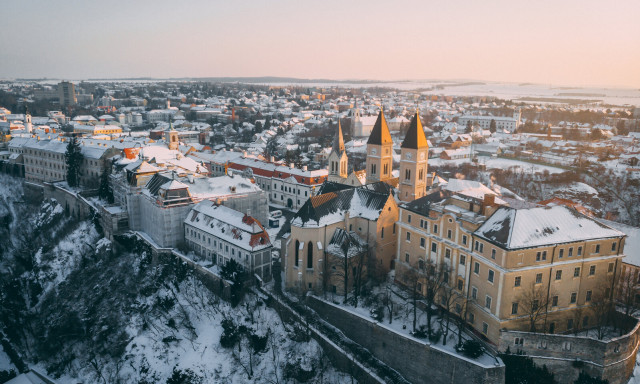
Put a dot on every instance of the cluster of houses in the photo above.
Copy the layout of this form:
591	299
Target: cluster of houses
177	190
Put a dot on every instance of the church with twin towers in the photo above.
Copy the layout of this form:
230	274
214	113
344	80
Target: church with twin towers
349	226
414	156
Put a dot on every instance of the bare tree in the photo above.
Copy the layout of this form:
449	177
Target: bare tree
387	302
602	307
435	278
534	302
413	279
462	309
628	289
448	298
347	263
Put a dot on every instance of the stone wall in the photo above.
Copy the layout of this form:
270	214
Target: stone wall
567	355
417	361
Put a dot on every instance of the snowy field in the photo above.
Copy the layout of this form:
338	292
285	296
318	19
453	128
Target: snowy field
500	163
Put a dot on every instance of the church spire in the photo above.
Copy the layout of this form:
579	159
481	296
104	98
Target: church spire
380	133
338	141
415	137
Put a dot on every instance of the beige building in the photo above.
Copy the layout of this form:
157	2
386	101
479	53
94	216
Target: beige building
313	258
506	263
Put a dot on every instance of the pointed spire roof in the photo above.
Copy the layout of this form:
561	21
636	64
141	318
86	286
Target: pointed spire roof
415	137
380	133
338	141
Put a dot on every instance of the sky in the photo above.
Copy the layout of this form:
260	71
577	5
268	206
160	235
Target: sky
560	42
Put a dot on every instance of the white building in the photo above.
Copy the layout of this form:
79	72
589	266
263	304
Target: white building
221	234
502	123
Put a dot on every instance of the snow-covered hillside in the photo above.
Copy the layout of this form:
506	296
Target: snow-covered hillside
83	313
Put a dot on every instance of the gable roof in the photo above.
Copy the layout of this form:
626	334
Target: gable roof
321	210
415	137
380	133
512	228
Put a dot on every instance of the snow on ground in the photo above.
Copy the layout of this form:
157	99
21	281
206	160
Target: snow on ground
5	362
403	320
500	163
66	255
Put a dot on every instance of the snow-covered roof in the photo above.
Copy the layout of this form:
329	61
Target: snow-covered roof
229	225
512	228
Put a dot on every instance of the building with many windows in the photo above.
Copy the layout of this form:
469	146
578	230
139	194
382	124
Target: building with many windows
219	234
507	263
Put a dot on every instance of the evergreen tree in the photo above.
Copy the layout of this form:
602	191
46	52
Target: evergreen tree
105	191
492	126
469	127
73	157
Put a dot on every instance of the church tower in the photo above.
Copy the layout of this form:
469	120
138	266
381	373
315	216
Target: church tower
171	137
338	161
413	162
379	151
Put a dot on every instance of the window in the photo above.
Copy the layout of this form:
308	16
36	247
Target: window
538	256
460	284
435	228
613	246
560	254
382	233
310	255
434	247
570	251
538	278
487	302
394	228
517	281
514	308
592	270
585	321
574	297
409	236
297	252
576	272
409	218
474	293
579	251
464	239
421	223
447	253
476	268
610	269
559	275
420	263
406	257
569	324
445	277
448	234
519	341
422	242
463	259
493	253
597	250
485	328
407	174
554	301
588	297
472	318
490	276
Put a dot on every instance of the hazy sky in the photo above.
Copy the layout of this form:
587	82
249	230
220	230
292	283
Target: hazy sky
563	42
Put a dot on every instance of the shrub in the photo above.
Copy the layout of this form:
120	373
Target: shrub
471	348
377	314
230	334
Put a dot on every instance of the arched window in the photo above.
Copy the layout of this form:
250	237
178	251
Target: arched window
310	255
297	252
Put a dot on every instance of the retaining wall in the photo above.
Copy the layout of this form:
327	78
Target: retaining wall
417	361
